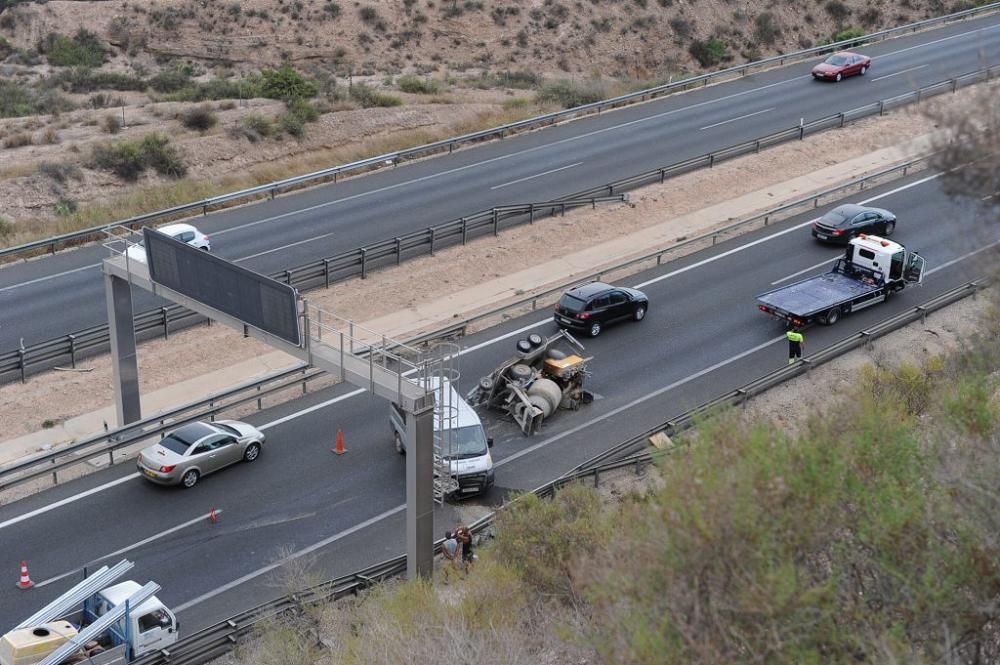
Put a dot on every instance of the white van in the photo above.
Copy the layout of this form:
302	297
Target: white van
460	435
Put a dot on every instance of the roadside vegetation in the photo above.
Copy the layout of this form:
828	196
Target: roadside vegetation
866	535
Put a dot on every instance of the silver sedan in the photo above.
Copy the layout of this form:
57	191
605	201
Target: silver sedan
196	449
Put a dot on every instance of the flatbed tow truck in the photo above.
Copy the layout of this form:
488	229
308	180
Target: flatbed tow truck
871	269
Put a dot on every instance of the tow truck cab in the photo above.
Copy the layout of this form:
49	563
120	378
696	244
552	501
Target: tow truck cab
883	260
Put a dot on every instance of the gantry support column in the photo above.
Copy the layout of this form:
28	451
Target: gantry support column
124	365
420	493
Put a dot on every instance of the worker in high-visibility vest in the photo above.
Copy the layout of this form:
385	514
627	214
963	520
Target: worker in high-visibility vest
796	344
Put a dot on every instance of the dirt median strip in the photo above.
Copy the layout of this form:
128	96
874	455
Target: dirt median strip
54	398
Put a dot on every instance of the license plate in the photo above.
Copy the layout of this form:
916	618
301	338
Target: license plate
149	473
822	237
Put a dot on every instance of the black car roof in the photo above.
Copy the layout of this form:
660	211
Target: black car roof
589	290
192	432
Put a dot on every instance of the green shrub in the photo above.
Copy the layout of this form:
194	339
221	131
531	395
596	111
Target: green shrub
540	538
849	33
111	124
85	79
569	94
415	84
61	172
837	10
171	80
82	50
766	28
253	127
18	100
129	159
286	83
200	118
6	228
292	124
369	97
710	52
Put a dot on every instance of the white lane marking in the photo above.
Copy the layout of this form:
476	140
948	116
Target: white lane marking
634	403
291	557
48	277
133	546
470	349
67	500
537	175
938	41
796	274
905	71
742	117
775	235
278	249
960	258
546	146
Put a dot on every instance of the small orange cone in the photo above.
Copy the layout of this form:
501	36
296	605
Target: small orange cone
340	450
25	581
213	516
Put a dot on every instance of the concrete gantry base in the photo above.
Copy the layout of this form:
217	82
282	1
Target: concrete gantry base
420	493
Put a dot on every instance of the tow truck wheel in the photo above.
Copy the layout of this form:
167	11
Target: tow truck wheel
640	313
595	329
831	317
399	443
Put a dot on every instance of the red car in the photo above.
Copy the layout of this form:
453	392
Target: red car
841	65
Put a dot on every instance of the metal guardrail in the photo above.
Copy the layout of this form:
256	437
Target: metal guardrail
44	355
69	348
272	189
220	638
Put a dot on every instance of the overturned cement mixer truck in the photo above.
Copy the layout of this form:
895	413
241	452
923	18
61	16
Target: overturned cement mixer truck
536	382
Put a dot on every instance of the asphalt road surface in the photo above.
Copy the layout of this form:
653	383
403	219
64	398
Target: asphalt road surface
53	296
703	336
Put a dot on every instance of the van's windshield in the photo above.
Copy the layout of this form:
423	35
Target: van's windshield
463	442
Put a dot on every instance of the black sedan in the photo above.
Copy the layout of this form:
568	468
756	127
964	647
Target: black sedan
846	221
589	307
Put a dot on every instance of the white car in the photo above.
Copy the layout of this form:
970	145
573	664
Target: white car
183	232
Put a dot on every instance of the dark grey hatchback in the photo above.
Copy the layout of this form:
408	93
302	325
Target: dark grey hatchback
590	307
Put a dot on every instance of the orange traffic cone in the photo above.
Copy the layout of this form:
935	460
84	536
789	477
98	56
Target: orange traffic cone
25	581
213	516
340	450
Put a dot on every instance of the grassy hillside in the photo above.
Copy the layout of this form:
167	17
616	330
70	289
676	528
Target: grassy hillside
871	535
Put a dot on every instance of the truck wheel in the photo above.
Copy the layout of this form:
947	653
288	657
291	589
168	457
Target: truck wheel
640	313
595	329
189	479
399	443
252	452
832	317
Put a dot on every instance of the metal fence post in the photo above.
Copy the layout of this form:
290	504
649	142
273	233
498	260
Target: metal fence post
364	263
881	107
531	214
326	273
465	230
166	320
431	229
496	222
841	120
20	362
72	350
399	250
802	132
711	160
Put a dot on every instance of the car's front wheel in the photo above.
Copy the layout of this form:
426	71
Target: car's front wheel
640	313
252	452
839	77
889	228
595	329
863	70
190	479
